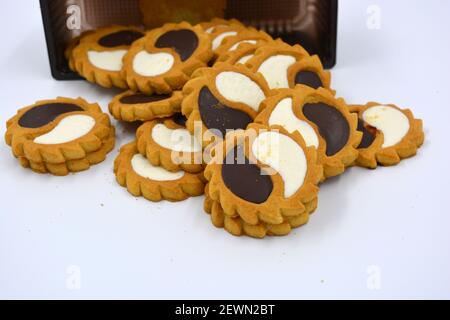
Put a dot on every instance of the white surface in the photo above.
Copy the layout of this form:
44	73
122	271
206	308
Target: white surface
274	69
152	64
393	220
143	168
175	139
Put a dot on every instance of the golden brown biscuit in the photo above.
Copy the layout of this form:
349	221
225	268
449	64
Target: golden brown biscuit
99	55
236	226
169	144
62	169
263	174
135	106
274	60
324	122
56	131
135	172
166	57
220	99
390	134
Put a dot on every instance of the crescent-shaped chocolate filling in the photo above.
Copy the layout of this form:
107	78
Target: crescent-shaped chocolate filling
138	98
44	114
183	41
368	136
120	38
179	119
216	115
245	179
308	78
333	126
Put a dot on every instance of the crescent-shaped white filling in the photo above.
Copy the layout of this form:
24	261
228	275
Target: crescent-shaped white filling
392	122
236	45
179	140
274	69
244	59
152	64
218	40
107	60
285	156
145	169
211	29
68	129
237	87
283	115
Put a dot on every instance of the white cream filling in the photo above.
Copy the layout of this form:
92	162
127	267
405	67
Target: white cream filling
274	69
152	64
179	140
237	87
236	45
218	40
68	129
145	169
107	60
284	116
244	59
284	155
393	123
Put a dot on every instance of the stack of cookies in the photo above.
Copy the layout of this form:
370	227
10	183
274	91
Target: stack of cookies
250	121
60	136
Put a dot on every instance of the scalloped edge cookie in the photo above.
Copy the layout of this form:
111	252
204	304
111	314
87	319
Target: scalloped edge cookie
21	139
375	154
190	185
332	165
72	166
312	64
145	111
236	226
158	155
179	73
86	69
206	77
276	207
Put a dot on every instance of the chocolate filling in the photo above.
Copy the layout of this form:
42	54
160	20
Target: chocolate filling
308	78
333	126
120	38
138	98
368	136
179	119
245	179
216	115
183	41
43	114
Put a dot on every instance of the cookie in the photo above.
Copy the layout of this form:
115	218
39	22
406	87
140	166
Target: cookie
236	226
169	144
99	55
390	134
68	53
221	99
135	106
56	131
63	169
211	26
263	174
243	53
220	33
166	57
309	71
274	60
141	178
324	122
248	36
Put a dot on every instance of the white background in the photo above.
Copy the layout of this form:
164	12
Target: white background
391	224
